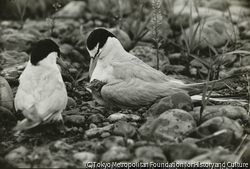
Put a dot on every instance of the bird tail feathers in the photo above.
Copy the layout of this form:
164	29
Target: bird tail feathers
26	124
198	88
231	99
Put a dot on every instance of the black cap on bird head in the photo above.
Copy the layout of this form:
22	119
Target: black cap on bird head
42	49
100	36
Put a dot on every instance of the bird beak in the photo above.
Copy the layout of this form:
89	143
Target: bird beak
93	62
60	62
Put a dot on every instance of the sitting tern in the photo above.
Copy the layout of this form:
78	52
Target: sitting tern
41	94
128	82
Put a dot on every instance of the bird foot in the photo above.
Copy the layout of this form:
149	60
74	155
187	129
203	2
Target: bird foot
96	85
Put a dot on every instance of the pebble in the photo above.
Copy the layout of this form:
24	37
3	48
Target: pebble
167	68
60	145
71	103
216	155
216	30
12	39
171	125
75	111
77	120
246	155
123	117
178	151
116	141
93	132
14	59
73	9
84	158
182	13
124	129
196	66
75	129
6	95
232	112
92	126
148	55
175	101
105	134
81	130
5	114
116	153
16	155
233	131
96	118
154	154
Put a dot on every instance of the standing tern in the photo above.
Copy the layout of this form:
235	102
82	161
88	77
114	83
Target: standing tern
41	94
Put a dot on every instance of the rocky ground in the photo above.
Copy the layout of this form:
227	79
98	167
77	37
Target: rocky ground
196	41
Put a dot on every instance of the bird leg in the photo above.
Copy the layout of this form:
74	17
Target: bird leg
96	86
62	128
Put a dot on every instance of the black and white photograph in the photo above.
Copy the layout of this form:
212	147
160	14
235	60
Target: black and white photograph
125	84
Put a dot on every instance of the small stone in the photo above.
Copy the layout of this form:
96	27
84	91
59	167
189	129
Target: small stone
147	54
151	153
92	132
74	9
198	67
75	129
5	114
116	141
71	102
77	120
178	151
105	134
167	68
123	117
232	112
84	157
117	154
61	145
96	118
75	111
124	129
6	95
65	49
16	155
233	131
98	23
216	155
246	155
171	125
80	130
20	40
174	57
175	101
216	30
106	123
92	126
37	25
182	14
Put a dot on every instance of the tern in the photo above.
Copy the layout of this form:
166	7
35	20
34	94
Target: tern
126	81
41	95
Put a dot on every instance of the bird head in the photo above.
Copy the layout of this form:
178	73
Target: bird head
45	53
95	44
